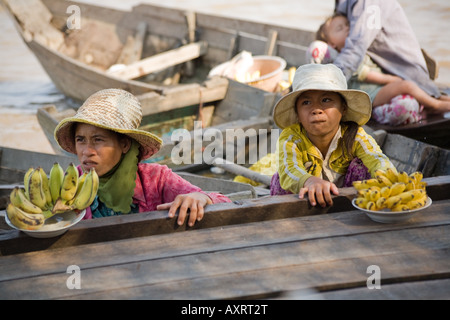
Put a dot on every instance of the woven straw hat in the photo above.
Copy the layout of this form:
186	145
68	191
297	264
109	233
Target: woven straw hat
113	109
325	77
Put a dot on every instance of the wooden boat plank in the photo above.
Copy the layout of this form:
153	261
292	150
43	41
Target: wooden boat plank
132	50
415	290
410	250
411	155
80	79
225	214
271	282
178	97
162	61
281	232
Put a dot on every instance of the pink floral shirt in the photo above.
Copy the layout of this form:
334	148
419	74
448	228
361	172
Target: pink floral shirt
157	184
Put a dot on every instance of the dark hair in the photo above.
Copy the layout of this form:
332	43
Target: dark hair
321	33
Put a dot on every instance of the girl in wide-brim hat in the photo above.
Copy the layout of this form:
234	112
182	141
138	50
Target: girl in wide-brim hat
105	135
323	145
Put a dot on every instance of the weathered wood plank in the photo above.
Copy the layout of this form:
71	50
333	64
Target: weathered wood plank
152	223
268	283
161	61
400	255
81	80
132	51
416	290
212	90
257	234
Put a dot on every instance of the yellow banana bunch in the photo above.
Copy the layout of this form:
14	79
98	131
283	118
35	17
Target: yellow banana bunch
392	190
69	183
88	191
36	192
45	196
24	220
56	179
20	200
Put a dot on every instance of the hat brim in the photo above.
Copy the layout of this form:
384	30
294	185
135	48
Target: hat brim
359	107
149	143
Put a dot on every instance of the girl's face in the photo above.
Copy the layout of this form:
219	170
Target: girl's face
337	31
320	112
99	148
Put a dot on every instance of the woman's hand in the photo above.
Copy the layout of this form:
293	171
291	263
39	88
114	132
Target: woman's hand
319	191
195	202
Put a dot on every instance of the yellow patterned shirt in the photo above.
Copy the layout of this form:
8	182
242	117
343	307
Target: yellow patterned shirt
299	159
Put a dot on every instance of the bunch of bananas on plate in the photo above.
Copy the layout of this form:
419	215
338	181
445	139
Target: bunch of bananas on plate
44	196
391	190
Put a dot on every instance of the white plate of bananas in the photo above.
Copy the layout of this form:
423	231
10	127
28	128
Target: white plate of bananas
48	206
391	196
389	216
53	226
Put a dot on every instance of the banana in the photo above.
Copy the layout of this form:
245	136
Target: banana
407	196
392	175
380	172
416	176
360	185
421	185
403	177
361	202
383	180
19	200
392	202
371	206
397	188
400	207
36	192
70	183
372	182
26	179
88	192
385	192
381	203
410	185
55	181
23	220
46	187
81	180
363	193
374	194
413	204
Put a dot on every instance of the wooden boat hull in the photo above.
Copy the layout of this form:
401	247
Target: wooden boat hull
433	130
78	78
270	248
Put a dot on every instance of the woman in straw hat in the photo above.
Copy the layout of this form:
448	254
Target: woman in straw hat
322	145
104	135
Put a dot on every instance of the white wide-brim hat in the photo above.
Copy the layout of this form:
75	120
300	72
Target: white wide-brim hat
324	77
112	109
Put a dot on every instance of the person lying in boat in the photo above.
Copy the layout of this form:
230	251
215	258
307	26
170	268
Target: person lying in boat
104	135
395	101
323	145
381	29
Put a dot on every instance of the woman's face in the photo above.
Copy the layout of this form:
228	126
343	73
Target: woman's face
99	148
320	112
338	30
